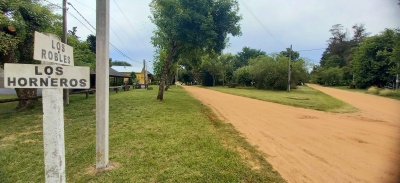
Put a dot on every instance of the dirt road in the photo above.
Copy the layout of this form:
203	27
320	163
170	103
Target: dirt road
313	146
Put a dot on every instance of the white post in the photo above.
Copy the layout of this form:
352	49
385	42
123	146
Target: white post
53	135
102	81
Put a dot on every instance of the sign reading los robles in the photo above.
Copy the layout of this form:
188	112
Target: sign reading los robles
49	49
45	76
56	72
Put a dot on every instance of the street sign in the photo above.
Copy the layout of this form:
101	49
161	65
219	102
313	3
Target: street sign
49	49
45	76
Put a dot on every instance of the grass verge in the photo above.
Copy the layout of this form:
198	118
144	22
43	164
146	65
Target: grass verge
303	96
178	140
388	93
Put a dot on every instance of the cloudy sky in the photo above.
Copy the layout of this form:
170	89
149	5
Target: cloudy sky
268	25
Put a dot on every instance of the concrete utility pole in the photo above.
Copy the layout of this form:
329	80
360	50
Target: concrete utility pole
290	68
102	81
64	40
145	74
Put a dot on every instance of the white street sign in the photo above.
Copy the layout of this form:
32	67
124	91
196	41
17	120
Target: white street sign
50	49
45	76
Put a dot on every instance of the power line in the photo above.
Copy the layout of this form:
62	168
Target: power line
136	33
84	5
312	49
262	25
115	48
81	15
114	21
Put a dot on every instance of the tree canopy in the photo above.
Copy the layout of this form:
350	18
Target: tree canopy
185	26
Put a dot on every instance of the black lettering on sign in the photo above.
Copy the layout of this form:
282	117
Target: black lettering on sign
54	82
63	48
32	81
44	81
63	82
65	58
55	56
22	82
68	60
11	81
43	53
50	55
59	71
73	82
52	44
48	70
37	71
58	46
82	82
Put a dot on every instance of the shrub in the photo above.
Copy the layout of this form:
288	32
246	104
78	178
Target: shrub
373	90
242	76
272	73
389	93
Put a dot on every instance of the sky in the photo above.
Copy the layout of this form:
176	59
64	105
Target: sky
271	26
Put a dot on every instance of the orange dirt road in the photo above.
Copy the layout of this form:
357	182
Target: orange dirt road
312	146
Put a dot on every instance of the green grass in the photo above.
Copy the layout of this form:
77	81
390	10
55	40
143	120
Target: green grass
178	140
380	92
303	96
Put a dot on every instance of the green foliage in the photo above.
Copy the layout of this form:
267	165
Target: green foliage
245	55
91	40
294	55
120	63
243	76
272	73
185	27
374	58
213	66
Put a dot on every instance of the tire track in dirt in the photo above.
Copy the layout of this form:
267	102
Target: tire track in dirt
312	146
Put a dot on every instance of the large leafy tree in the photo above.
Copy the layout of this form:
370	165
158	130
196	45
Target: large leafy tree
183	26
374	59
246	54
22	18
294	55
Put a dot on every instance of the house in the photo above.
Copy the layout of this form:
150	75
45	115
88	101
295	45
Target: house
116	78
139	72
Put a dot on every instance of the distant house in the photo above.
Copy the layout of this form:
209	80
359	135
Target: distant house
116	78
139	72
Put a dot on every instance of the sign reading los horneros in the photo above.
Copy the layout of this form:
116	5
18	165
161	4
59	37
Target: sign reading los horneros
50	49
45	76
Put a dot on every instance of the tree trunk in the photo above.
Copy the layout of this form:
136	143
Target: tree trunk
213	80
168	82
167	63
25	95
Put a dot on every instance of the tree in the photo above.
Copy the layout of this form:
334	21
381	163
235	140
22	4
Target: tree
73	32
271	72
91	40
372	60
242	76
226	72
192	25
120	63
294	55
246	54
213	66
25	17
